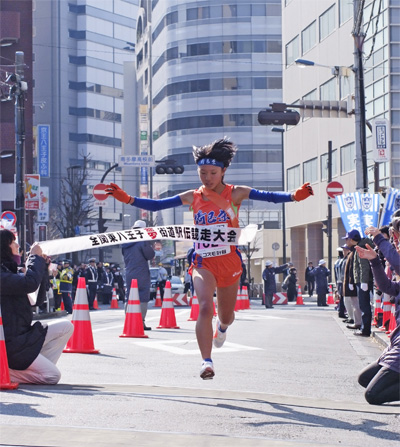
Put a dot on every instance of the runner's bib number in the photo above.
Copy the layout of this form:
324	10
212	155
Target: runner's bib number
212	250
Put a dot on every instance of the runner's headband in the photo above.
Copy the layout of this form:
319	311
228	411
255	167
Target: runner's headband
210	162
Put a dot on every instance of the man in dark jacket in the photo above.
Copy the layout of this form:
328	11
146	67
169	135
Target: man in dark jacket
321	274
363	279
92	279
309	277
136	257
269	281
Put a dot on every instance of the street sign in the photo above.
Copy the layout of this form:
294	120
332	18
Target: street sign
275	246
381	146
334	189
99	192
8	219
140	161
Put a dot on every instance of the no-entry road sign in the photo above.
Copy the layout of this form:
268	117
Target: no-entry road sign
99	192
334	189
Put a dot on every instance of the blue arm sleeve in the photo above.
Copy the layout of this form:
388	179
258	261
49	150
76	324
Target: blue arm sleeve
267	196
157	205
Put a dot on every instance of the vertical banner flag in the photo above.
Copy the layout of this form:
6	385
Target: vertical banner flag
350	211
358	211
32	189
43	212
381	146
369	210
392	203
43	150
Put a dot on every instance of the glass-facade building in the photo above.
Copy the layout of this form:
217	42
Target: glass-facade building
215	65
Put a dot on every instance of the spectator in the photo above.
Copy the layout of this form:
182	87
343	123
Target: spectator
268	277
119	280
364	282
350	297
339	273
92	280
381	378
187	280
107	285
291	281
162	279
56	287
310	280
79	272
66	278
243	278
321	274
136	257
32	349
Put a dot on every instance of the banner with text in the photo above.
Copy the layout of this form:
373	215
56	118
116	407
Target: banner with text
358	211
212	235
392	203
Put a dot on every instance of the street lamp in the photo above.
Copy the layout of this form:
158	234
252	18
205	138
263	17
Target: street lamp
359	113
281	130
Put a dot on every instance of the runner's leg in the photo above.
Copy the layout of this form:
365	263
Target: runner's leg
204	284
226	299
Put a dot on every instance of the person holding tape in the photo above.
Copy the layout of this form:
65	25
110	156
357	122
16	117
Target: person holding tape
214	267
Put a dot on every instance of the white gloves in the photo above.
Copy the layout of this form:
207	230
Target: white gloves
364	286
351	287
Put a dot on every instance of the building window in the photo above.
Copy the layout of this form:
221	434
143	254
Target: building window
293	178
326	23
345	11
310	170
327	91
309	37
347	156
292	51
324	165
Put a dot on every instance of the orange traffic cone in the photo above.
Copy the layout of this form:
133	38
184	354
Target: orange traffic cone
330	296
167	319
95	303
194	311
239	300
392	321
299	301
387	310
62	305
246	299
5	383
158	302
133	321
114	300
378	310
81	340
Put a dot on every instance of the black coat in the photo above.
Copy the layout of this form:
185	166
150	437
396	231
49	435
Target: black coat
22	339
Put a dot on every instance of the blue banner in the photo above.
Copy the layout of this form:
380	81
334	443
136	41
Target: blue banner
358	211
350	211
43	150
392	203
369	210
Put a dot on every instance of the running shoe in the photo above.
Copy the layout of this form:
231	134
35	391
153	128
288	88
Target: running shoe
207	370
219	336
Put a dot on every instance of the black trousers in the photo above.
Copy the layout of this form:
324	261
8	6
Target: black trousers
382	384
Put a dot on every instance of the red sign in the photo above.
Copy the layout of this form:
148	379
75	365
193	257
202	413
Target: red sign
99	192
9	217
334	189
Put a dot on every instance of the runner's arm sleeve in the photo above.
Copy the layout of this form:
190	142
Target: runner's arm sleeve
268	196
157	205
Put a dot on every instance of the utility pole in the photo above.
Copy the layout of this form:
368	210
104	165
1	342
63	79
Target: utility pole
18	90
329	217
360	120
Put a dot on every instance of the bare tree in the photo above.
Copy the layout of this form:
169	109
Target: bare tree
75	206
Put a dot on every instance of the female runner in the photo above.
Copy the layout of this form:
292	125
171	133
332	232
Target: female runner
213	268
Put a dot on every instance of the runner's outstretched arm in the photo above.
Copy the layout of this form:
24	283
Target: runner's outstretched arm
146	204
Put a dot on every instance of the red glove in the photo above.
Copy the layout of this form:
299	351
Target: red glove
303	192
118	193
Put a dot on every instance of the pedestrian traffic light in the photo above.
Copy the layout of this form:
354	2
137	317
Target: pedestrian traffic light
269	117
102	227
169	167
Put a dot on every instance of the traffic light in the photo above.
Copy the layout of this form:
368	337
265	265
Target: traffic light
102	228
169	167
325	226
269	117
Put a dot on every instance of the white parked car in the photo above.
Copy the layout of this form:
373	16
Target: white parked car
176	285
